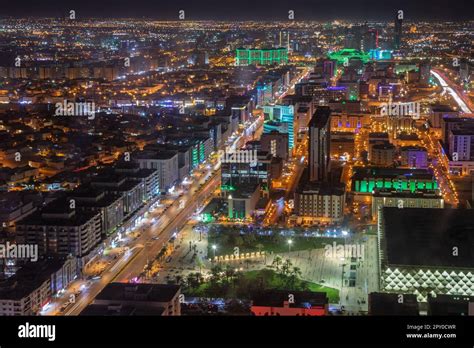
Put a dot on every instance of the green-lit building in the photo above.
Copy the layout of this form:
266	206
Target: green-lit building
347	54
366	180
266	56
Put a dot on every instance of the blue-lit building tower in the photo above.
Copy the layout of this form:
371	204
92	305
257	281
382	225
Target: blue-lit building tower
280	118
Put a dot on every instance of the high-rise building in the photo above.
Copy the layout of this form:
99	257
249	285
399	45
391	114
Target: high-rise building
319	142
351	41
425	73
199	58
275	143
281	117
284	40
370	40
397	33
329	68
267	56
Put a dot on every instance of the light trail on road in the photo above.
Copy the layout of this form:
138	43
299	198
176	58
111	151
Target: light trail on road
452	92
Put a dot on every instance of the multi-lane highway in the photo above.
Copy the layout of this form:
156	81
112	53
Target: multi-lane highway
152	239
453	90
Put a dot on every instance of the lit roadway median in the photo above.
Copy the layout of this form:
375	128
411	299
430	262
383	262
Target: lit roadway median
150	242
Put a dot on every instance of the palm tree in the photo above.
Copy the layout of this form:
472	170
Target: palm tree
199	278
277	260
193	280
296	271
285	269
294	275
216	273
229	272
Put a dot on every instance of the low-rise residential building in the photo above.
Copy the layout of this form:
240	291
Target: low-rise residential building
131	191
108	205
33	286
59	230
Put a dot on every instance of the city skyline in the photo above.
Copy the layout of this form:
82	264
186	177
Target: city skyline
182	162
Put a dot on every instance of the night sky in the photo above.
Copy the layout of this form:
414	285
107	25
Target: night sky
245	9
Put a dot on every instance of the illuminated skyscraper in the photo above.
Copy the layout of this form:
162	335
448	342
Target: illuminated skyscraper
319	140
370	40
284	40
397	34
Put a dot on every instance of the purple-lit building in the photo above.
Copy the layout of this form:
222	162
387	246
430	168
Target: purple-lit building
414	157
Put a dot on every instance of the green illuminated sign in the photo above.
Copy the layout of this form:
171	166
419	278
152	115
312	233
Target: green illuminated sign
227	188
207	217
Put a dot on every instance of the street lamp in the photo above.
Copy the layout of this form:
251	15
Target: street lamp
289	244
214	247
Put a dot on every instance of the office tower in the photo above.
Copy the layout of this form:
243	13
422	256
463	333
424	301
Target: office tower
199	58
351	41
465	70
319	140
397	34
329	68
282	42
370	40
425	73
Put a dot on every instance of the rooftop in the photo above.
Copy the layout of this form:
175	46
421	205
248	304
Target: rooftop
320	117
378	172
123	292
121	310
28	278
427	237
388	304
